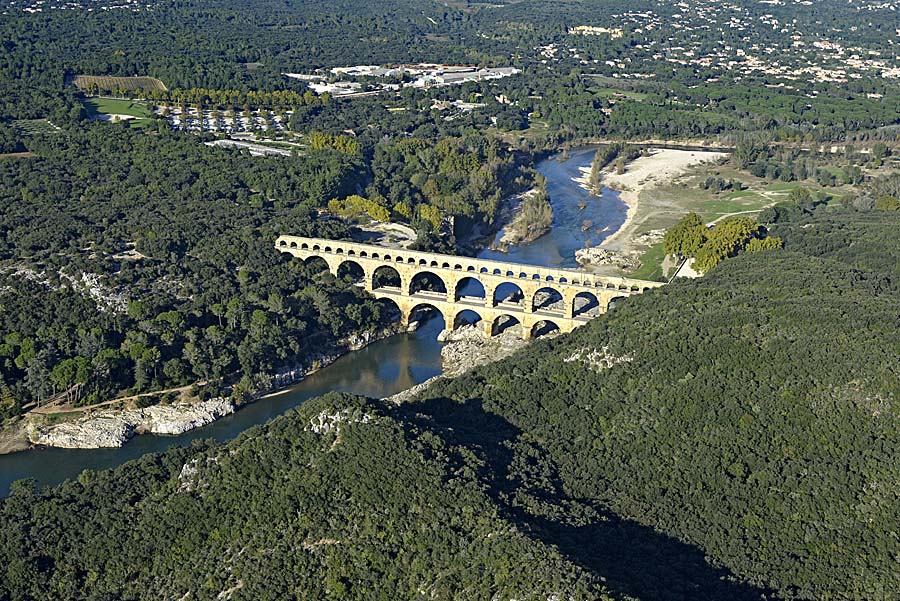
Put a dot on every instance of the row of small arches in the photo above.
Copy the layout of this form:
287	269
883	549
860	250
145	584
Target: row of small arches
458	267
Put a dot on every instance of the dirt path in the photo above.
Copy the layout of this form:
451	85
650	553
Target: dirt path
727	215
65	408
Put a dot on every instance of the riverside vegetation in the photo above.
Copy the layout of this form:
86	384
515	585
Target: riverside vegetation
187	295
197	295
749	417
134	262
725	438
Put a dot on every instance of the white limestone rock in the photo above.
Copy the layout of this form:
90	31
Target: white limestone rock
600	256
178	419
113	428
468	348
598	359
107	431
326	422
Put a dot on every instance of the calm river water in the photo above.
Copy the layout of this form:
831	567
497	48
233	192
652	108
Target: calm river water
557	247
383	368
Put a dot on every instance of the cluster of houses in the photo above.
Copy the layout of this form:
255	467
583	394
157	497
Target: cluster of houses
682	38
371	79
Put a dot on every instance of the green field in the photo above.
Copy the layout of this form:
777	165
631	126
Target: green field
716	207
613	92
651	265
758	194
98	107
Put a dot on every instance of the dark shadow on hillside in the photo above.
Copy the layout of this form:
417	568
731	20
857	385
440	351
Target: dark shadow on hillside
635	560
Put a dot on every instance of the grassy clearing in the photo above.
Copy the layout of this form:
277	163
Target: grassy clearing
537	128
757	194
716	207
616	93
115	106
103	82
660	207
107	109
651	264
678	200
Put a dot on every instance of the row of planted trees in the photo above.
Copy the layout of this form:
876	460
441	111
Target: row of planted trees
221	99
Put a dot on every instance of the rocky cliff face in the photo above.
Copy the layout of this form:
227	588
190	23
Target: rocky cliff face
467	348
113	428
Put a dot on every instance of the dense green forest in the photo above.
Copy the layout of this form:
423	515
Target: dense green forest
732	437
751	413
160	249
372	509
142	262
697	80
466	177
749	417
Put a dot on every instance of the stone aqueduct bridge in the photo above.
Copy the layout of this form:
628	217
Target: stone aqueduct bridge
584	295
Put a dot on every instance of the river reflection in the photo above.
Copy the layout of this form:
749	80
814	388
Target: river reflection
379	370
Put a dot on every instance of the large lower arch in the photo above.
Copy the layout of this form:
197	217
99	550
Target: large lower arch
585	304
386	277
423	312
466	317
427	281
316	264
502	323
543	328
611	303
351	271
547	299
508	292
469	287
390	309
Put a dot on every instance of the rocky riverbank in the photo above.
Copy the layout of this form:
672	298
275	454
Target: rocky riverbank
466	348
113	427
594	256
627	260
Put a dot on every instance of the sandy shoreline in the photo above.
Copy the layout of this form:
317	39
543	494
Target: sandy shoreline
658	167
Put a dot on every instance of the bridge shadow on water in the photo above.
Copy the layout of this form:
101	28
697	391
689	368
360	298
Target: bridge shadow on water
635	560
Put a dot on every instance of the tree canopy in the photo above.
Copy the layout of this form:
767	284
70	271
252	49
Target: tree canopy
748	418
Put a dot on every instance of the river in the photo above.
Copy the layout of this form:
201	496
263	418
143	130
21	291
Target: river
557	247
379	370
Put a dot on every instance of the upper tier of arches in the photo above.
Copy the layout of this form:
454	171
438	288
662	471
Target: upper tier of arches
467	265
